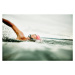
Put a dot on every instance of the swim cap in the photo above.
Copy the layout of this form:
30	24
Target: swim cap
38	37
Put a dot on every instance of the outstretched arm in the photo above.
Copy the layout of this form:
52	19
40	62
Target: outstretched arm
20	34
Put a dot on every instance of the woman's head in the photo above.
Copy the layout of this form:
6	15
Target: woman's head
34	37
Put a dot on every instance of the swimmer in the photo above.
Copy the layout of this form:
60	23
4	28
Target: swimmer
20	35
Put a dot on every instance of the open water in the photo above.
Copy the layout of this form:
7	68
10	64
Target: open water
54	30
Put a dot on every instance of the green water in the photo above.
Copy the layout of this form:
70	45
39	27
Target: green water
47	50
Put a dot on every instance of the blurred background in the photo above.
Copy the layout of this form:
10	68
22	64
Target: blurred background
53	26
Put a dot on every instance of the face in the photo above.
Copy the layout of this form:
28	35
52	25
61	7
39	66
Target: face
33	36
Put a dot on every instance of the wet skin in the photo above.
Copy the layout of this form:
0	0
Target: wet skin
20	35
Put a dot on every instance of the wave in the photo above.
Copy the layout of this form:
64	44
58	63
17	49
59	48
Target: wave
57	38
47	50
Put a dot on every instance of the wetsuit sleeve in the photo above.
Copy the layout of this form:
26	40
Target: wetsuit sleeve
7	22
